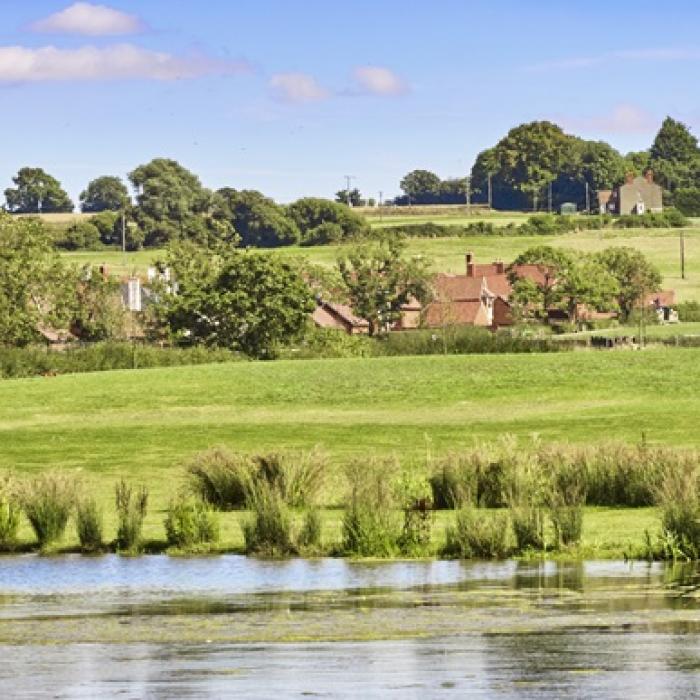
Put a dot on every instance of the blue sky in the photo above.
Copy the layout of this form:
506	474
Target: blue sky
289	97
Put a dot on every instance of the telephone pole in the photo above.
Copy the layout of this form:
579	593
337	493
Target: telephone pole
469	193
490	192
348	180
381	202
682	254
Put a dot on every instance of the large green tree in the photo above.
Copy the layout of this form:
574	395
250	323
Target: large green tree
238	299
258	220
105	193
173	205
36	287
635	275
421	187
324	221
675	157
380	280
36	192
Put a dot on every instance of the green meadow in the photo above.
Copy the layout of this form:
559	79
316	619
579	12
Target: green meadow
143	424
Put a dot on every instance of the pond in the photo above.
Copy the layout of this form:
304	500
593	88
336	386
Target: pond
229	626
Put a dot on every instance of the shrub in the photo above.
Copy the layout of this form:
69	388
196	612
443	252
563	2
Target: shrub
191	524
454	481
80	235
47	501
688	201
525	498
566	497
477	534
413	495
89	525
311	530
220	477
370	524
679	499
297	476
131	512
10	513
269	529
688	311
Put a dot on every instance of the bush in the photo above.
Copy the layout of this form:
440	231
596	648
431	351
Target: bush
687	200
81	235
679	500
131	512
89	525
525	497
10	513
220	477
371	527
310	536
269	530
566	498
454	482
413	494
688	311
297	476
191	524
47	501
477	534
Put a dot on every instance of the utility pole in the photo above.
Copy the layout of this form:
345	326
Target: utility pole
682	254
469	193
490	192
124	235
381	203
348	180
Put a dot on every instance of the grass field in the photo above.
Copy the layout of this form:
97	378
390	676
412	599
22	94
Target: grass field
447	254
143	424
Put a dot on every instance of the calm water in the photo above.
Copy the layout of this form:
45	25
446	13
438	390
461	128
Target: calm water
236	627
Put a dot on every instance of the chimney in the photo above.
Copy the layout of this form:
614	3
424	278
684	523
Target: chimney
499	267
470	265
103	270
133	294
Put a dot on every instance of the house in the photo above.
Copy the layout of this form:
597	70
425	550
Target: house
480	297
329	314
663	303
638	195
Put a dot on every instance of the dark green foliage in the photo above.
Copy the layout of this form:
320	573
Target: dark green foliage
688	311
37	192
687	201
108	224
477	534
105	193
98	357
256	219
234	299
191	524
80	235
89	525
323	221
413	495
132	507
173	205
669	218
48	501
675	157
310	536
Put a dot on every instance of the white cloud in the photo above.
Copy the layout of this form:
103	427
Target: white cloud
623	119
90	20
612	57
376	80
297	87
119	62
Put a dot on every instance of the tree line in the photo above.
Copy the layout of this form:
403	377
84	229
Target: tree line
517	173
171	204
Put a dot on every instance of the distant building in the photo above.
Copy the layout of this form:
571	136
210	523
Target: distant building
638	195
328	314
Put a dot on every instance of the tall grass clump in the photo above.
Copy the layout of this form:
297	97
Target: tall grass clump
526	497
371	525
299	477
679	500
132	507
477	534
191	524
566	497
47	501
219	477
89	525
454	481
413	494
10	513
310	536
269	530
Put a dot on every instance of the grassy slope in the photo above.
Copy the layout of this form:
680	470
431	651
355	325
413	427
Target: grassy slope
142	424
447	254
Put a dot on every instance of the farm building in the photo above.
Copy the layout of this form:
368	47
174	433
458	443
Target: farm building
328	314
638	195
